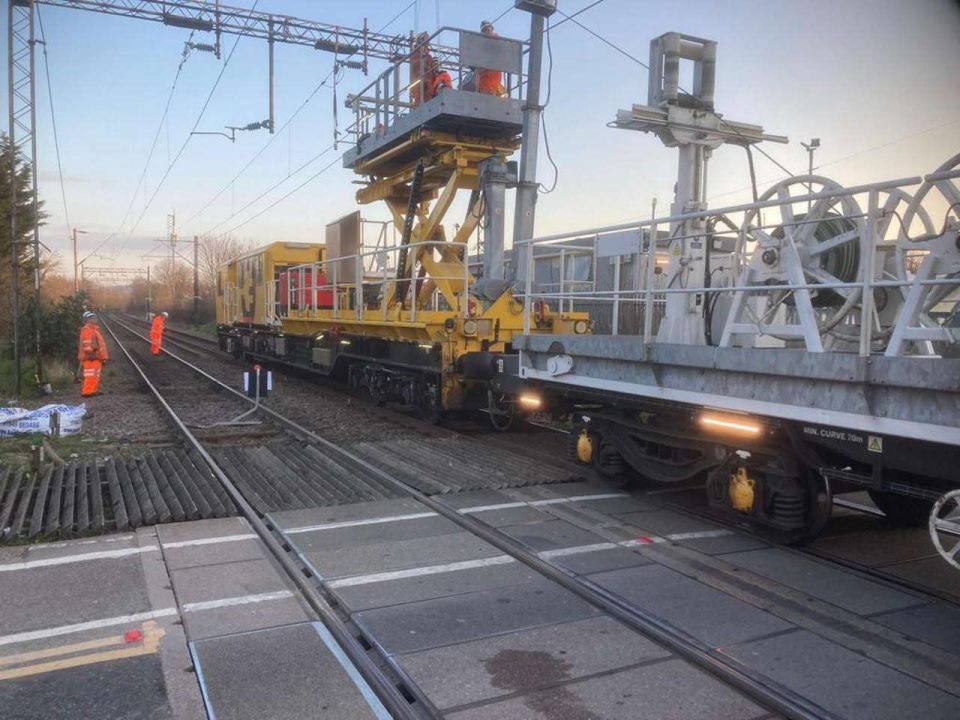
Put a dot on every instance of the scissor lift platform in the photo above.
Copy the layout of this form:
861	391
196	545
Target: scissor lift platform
453	112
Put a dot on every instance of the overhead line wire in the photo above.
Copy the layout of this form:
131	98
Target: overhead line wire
644	65
53	120
269	189
284	197
186	142
283	127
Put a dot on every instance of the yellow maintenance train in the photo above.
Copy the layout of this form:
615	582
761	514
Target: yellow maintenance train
412	320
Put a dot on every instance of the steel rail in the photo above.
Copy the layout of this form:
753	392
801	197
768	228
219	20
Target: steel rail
757	687
386	691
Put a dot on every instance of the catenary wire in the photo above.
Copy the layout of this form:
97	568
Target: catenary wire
270	189
284	197
644	65
284	127
53	121
186	141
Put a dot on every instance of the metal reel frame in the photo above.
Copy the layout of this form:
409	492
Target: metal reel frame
951	503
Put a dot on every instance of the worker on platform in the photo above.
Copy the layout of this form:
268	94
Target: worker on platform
92	354
435	78
490	82
420	57
156	332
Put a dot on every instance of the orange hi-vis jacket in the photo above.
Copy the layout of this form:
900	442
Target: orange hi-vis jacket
92	345
156	334
490	82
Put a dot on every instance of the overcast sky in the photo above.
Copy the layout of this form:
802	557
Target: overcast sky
878	81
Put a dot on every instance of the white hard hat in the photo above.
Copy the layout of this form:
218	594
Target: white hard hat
165	314
88	315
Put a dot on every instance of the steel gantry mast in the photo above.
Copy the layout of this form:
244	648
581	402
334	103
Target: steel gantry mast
197	15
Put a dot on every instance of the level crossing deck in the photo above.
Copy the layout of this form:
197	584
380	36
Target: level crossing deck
175	621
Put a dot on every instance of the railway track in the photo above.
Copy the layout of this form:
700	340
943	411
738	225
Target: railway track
929	665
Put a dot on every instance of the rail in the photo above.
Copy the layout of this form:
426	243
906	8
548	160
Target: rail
768	693
386	691
805	265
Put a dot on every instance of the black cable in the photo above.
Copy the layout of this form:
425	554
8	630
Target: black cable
269	190
284	197
285	125
543	119
601	38
186	142
53	120
153	146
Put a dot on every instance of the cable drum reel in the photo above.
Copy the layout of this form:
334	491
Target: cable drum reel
909	246
824	240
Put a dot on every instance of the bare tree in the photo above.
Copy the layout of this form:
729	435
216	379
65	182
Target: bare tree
214	252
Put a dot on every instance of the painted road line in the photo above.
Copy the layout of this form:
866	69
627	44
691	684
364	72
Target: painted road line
84	626
675	537
577	550
234	601
538	503
462	511
209	541
135	618
147	644
81	557
121	553
419	571
358	523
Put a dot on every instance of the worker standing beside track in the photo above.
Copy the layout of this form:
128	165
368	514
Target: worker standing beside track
156	332
92	354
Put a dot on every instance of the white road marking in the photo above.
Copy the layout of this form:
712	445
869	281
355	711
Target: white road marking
233	601
358	523
536	503
577	550
140	617
372	700
419	571
462	511
84	626
81	557
209	541
354	580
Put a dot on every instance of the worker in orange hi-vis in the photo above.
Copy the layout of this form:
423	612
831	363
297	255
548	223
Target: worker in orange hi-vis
490	82
156	332
92	354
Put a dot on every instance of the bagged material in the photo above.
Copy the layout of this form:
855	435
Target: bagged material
20	421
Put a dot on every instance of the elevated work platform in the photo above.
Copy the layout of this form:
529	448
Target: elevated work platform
467	115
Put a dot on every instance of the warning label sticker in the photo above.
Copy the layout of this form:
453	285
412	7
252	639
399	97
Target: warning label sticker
875	444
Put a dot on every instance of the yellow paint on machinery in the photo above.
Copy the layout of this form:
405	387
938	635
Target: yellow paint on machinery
584	446
741	490
243	283
424	296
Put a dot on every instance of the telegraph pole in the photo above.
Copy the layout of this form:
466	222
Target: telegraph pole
196	280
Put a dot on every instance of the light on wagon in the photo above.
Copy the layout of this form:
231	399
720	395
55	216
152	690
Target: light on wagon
739	424
529	400
580	327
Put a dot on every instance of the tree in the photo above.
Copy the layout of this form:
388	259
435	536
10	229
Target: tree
15	251
214	252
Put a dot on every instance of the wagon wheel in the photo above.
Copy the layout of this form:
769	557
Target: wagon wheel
945	517
500	411
823	235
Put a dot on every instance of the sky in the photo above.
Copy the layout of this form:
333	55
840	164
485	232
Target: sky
878	81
